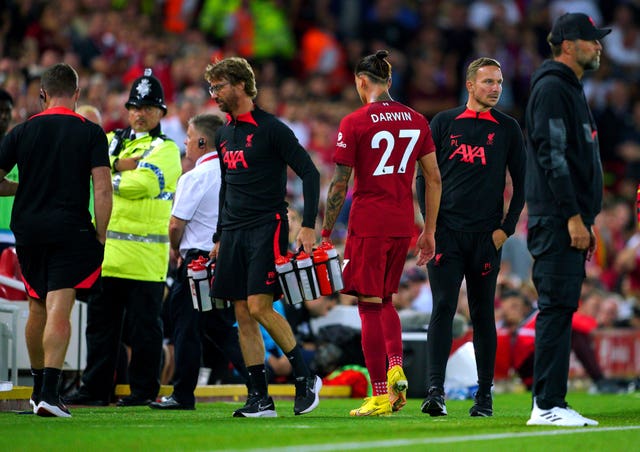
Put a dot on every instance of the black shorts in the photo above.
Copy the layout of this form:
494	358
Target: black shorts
52	266
246	261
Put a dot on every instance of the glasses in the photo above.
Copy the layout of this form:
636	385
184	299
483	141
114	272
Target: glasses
213	89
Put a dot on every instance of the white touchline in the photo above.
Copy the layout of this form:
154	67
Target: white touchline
441	440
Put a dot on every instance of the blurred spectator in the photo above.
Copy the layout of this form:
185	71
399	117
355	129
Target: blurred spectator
628	148
299	317
484	13
321	53
516	344
607	315
392	22
90	112
623	45
188	104
416	279
516	263
611	228
256	29
613	118
294	114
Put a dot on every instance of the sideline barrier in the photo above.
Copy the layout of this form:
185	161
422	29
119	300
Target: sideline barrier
617	351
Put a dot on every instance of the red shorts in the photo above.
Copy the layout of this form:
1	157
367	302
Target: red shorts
373	265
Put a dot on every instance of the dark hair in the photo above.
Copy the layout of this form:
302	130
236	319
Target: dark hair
375	66
5	96
60	80
207	124
235	70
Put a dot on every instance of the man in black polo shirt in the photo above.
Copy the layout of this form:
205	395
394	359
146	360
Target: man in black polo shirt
59	249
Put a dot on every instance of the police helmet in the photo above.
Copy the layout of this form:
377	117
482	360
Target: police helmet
147	90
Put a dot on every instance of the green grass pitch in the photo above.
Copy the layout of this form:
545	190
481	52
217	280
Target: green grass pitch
329	428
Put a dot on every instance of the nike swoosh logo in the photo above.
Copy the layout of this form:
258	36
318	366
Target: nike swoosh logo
455	136
485	273
263	407
270	283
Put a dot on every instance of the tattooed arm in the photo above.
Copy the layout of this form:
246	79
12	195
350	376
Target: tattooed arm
336	197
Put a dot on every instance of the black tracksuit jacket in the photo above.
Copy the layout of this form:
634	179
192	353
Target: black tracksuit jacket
564	173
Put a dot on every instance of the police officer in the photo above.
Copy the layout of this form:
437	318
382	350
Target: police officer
145	167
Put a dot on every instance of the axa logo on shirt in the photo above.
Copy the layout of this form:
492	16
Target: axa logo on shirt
233	158
468	154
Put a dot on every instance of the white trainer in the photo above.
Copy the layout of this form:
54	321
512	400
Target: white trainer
585	419
561	417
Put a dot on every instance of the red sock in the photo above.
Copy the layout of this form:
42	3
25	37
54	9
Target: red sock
392	331
373	345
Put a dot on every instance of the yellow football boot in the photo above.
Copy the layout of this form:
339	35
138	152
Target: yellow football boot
374	406
397	385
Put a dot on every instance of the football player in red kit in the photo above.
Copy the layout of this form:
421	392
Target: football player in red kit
381	143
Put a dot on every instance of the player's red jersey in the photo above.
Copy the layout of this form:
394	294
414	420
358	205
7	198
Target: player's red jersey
382	141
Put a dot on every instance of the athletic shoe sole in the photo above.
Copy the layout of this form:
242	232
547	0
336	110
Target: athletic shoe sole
265	413
397	395
45	409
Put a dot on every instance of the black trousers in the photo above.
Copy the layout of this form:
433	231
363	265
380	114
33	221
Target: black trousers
189	327
142	302
473	256
558	273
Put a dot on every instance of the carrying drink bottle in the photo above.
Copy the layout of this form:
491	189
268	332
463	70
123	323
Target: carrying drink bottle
308	281
200	286
321	267
288	280
334	266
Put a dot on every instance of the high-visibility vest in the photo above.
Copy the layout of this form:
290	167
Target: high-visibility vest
137	244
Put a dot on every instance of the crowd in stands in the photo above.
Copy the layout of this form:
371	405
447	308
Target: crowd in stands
304	52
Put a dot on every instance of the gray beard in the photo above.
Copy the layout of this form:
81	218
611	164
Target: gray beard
592	64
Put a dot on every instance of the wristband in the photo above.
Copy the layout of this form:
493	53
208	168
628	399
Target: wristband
115	164
326	233
215	238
